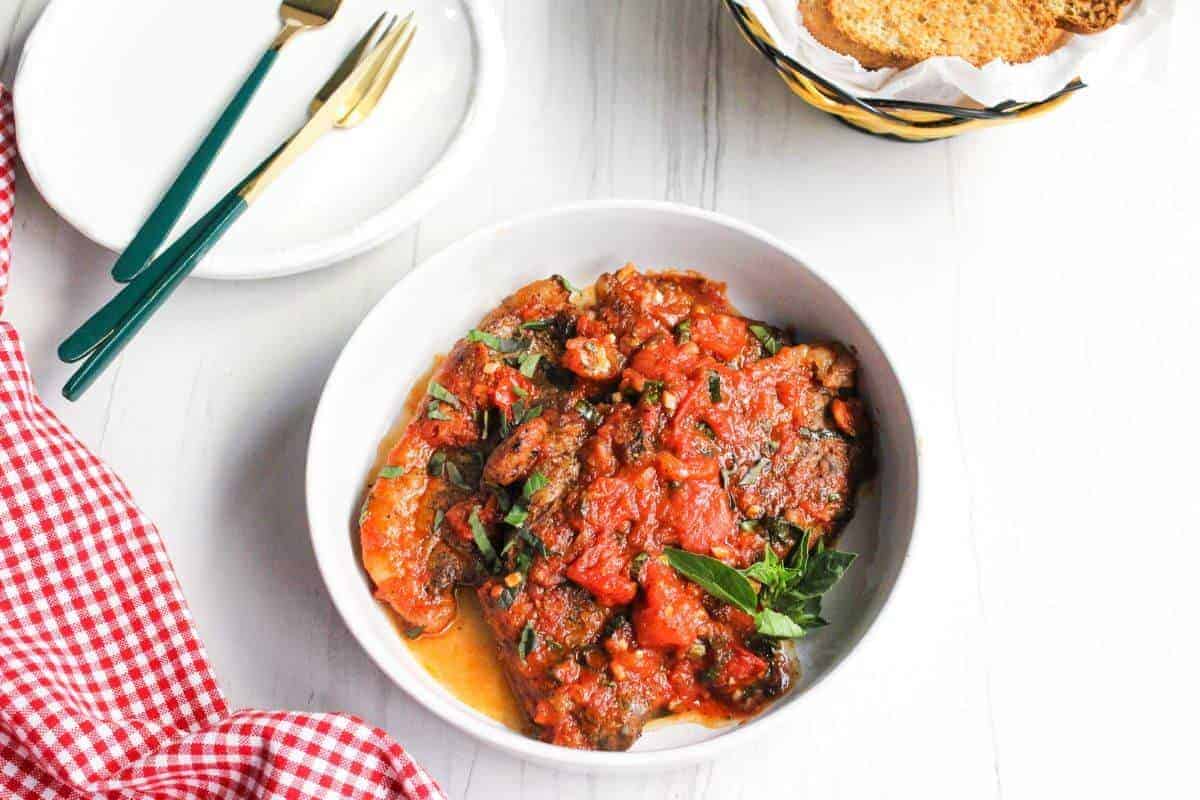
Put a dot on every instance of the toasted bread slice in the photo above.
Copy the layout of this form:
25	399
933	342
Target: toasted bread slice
819	22
1086	16
903	32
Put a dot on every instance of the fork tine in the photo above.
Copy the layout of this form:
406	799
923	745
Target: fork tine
394	36
367	43
382	77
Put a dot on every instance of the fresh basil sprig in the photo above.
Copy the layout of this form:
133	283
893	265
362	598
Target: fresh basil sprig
715	577
788	604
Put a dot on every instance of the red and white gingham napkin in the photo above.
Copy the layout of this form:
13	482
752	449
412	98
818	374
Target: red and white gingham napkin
105	689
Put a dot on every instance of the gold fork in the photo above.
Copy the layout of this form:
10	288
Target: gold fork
92	332
295	16
373	64
302	15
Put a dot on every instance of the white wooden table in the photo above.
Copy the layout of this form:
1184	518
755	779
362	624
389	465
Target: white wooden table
1037	285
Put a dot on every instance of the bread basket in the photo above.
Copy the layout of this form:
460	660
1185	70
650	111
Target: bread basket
894	119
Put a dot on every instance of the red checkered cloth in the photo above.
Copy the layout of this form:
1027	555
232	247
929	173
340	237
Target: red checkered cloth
105	689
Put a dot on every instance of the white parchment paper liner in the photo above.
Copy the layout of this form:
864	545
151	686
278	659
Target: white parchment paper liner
951	80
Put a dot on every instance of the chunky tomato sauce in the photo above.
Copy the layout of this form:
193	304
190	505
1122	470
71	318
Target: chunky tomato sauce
563	445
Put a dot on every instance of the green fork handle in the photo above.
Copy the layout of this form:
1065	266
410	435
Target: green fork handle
97	328
158	225
100	325
167	274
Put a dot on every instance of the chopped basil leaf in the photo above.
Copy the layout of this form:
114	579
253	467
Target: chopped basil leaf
532	413
391	472
566	284
434	411
452	473
508	595
497	343
537	324
519	392
438	519
414	631
683	331
535	542
479	534
534	484
516	516
715	577
764	335
529	363
706	429
652	392
528	641
443	394
752	475
748	524
588	412
714	387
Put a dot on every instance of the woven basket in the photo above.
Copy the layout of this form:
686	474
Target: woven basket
893	119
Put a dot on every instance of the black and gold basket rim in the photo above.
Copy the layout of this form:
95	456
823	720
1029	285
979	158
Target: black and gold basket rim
900	119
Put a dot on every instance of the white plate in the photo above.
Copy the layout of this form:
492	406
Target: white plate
113	97
427	311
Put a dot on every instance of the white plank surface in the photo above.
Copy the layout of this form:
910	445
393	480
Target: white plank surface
1037	286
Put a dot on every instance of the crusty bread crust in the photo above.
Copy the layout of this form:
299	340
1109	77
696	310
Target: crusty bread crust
1087	16
820	24
900	33
908	31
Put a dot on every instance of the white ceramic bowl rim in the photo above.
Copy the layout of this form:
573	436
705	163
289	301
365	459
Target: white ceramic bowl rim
463	152
588	761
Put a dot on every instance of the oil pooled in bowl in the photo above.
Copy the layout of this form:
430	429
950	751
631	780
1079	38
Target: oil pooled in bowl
463	660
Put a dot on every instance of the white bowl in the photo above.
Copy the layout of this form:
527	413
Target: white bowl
429	309
112	98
